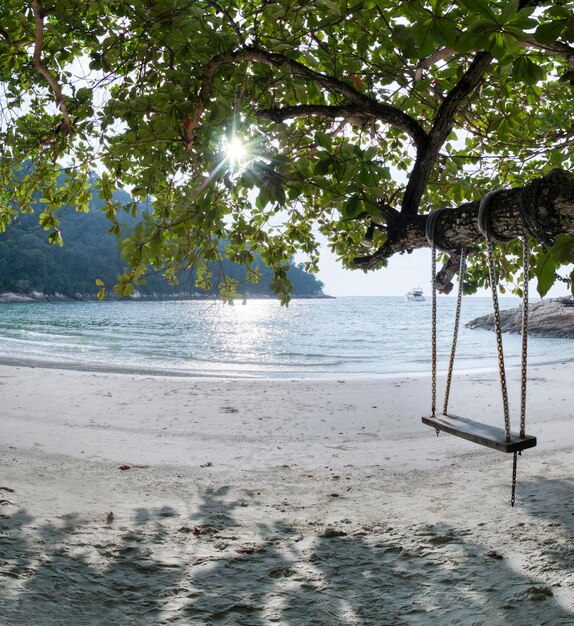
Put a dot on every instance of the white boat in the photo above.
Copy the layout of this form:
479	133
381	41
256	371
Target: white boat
415	295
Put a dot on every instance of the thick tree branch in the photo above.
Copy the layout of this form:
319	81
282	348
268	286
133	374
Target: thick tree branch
442	125
556	49
41	68
354	114
545	208
354	97
435	57
25	41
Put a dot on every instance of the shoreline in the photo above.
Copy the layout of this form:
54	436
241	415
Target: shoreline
255	375
9	297
279	501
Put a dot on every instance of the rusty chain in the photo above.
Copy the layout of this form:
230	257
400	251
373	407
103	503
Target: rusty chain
433	333
461	272
524	334
498	331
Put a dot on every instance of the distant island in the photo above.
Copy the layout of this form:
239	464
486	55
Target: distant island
33	269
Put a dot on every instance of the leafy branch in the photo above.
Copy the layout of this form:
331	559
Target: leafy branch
42	69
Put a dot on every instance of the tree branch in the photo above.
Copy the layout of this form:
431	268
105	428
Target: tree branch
557	48
425	64
545	208
41	68
353	96
25	41
442	125
354	114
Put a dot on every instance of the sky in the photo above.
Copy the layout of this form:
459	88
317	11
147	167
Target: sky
402	274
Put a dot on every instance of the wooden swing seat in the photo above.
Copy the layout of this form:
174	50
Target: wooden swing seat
477	432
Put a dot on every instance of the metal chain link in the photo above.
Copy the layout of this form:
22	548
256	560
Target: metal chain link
433	339
524	335
462	269
562	279
514	468
524	357
498	331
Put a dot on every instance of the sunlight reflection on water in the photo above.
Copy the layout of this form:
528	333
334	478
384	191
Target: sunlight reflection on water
352	336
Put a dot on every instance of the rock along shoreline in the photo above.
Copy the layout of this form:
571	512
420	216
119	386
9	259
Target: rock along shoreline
547	318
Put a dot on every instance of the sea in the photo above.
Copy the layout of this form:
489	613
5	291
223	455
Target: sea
315	338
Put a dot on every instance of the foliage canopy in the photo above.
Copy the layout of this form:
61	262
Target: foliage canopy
352	113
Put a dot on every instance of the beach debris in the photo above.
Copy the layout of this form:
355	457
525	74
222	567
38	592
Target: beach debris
208	464
493	554
334	495
538	593
331	532
229	409
110	517
188	530
6	502
8	489
245	550
124	467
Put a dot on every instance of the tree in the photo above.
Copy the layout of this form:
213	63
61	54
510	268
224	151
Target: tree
354	117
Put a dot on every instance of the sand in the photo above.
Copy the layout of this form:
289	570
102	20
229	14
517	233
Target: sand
132	499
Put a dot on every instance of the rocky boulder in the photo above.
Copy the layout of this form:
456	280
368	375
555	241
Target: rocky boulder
547	318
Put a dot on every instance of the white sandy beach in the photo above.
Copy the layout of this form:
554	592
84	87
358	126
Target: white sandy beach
291	502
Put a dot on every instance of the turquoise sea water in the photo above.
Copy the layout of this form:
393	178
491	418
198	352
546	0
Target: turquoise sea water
311	338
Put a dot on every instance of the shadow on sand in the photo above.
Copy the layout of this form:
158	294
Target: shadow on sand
164	567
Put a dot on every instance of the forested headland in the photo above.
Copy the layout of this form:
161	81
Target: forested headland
30	265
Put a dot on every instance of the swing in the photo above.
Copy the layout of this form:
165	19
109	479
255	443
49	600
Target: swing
501	439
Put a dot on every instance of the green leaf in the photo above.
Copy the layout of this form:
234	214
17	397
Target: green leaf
84	94
481	7
509	10
525	70
55	238
124	289
477	37
545	273
550	32
352	208
330	8
444	31
322	166
422	33
323	139
563	249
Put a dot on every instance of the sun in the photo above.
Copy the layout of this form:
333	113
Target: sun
236	152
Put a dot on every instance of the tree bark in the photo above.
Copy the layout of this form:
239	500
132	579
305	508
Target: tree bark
544	209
